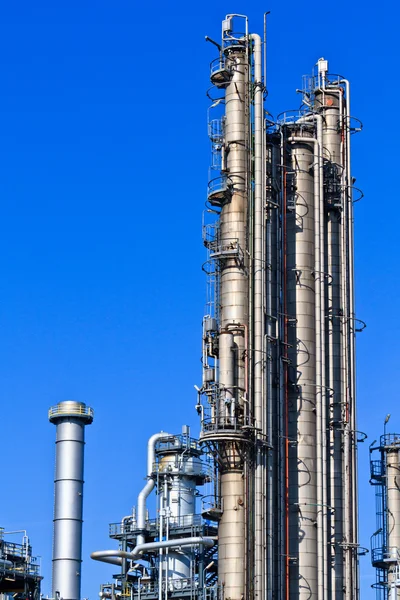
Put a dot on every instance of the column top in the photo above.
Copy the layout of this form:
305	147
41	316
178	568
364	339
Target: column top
71	409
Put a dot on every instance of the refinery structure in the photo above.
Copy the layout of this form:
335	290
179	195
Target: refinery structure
274	470
262	504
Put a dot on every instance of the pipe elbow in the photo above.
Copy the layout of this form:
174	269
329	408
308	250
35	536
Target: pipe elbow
151	449
106	556
148	488
256	39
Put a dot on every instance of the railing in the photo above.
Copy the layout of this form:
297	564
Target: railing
290	117
238	42
219	184
19	567
177	442
392	555
213	593
198	470
218	64
33	569
210	234
151	588
214	420
390	439
212	506
377	555
377	468
380	586
77	409
184	585
228	248
11	549
216	130
174	522
211	502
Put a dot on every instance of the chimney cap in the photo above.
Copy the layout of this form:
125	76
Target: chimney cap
71	409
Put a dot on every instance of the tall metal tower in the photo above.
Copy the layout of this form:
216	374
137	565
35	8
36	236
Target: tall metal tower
70	418
279	378
385	542
277	400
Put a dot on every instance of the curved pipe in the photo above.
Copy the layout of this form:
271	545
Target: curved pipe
115	557
148	488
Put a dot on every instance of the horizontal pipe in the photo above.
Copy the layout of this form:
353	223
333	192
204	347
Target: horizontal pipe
5	564
115	557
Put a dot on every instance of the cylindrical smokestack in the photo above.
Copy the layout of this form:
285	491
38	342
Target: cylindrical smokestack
70	418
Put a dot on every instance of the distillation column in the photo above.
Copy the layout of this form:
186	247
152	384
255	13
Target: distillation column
291	385
70	419
233	321
393	516
302	397
332	102
227	435
329	103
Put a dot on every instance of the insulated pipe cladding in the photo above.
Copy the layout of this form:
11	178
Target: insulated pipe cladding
70	419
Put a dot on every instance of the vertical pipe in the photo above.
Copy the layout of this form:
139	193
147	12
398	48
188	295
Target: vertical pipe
160	551
259	325
319	396
323	393
352	447
150	484
284	371
303	262
274	432
70	419
167	559
331	108
320	383
344	490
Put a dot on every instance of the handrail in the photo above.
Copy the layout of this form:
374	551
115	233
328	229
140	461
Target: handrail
218	64
220	183
195	521
77	409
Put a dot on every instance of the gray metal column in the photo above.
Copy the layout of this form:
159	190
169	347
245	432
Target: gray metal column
393	515
351	442
329	102
302	381
276	463
70	418
233	321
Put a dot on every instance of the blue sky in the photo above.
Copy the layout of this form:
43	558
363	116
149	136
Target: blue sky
103	161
